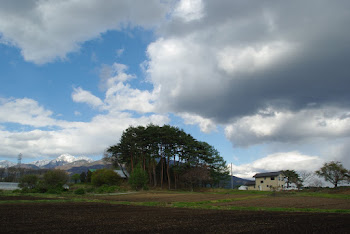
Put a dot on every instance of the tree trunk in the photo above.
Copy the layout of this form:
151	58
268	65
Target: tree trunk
174	174
132	163
161	175
154	175
150	174
167	172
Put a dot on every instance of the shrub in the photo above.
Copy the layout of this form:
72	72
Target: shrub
107	189
16	191
79	191
90	190
138	179
57	190
28	181
105	176
55	179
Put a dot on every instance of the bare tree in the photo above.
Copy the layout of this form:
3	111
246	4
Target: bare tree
307	177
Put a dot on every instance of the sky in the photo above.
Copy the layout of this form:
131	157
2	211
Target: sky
265	82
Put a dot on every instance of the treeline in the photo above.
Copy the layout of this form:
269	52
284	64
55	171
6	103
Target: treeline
13	174
169	156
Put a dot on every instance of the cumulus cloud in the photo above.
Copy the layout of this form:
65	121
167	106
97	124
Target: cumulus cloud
189	10
267	71
83	96
47	30
278	161
205	125
272	125
25	112
123	97
246	56
119	95
88	138
111	75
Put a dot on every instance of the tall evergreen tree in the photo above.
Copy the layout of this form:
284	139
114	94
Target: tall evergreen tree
165	153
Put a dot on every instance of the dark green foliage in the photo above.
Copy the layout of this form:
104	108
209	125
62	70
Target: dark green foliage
79	191
90	189
333	172
292	177
54	180
88	176
29	181
138	178
75	178
164	153
55	190
82	177
105	176
107	189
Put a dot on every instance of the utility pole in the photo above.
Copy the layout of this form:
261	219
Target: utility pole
19	162
231	178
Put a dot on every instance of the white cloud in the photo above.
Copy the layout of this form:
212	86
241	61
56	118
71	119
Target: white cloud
119	95
83	96
119	52
286	126
205	125
189	10
122	97
25	112
77	138
112	75
250	59
77	113
46	30
278	161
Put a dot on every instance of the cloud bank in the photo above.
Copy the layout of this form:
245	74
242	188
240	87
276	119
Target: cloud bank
266	71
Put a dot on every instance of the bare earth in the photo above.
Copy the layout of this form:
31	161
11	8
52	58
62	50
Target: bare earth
170	197
102	217
295	202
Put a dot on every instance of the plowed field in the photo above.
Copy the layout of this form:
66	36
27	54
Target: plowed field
101	217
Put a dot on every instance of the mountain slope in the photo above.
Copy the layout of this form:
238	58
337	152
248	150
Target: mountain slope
5	163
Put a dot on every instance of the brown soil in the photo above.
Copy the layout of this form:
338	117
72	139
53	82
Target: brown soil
97	217
295	202
170	197
30	198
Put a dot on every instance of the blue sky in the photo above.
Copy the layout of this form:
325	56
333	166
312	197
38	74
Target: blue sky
265	83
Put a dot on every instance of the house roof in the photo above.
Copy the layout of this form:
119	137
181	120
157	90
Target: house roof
267	174
250	183
121	174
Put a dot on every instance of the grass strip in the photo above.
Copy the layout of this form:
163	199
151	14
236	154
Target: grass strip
282	209
189	205
323	195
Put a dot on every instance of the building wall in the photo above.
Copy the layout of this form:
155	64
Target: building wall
8	186
269	183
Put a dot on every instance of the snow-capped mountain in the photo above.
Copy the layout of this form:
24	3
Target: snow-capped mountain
40	163
5	163
65	159
62	160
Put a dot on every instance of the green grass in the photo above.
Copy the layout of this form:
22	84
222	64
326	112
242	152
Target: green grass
324	195
208	204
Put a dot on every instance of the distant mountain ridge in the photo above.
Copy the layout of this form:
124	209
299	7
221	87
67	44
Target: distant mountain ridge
65	159
5	163
62	160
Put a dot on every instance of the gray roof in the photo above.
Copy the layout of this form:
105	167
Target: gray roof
267	174
121	174
250	183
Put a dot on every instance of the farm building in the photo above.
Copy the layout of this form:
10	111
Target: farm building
8	186
121	174
267	181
